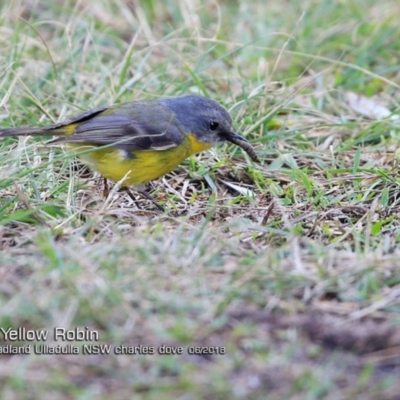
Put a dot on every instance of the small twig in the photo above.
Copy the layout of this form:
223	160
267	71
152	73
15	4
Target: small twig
268	213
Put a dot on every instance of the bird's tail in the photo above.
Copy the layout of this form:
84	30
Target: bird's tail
5	132
52	130
64	128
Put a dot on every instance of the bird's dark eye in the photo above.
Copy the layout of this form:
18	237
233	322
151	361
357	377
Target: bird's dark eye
214	126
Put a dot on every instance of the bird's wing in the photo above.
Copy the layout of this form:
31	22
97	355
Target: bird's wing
123	131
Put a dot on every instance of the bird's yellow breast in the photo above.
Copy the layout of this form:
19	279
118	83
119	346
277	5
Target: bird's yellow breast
196	146
141	166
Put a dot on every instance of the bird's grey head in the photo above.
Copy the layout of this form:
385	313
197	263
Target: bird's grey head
203	117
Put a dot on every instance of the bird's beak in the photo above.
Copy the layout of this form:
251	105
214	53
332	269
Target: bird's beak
240	141
233	137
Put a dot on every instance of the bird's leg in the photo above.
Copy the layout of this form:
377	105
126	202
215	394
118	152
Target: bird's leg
144	194
105	188
149	197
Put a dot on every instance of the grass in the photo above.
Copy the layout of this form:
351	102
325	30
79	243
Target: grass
290	268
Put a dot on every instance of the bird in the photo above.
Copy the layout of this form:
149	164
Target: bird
137	142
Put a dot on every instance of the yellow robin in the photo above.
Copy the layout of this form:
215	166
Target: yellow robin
143	140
